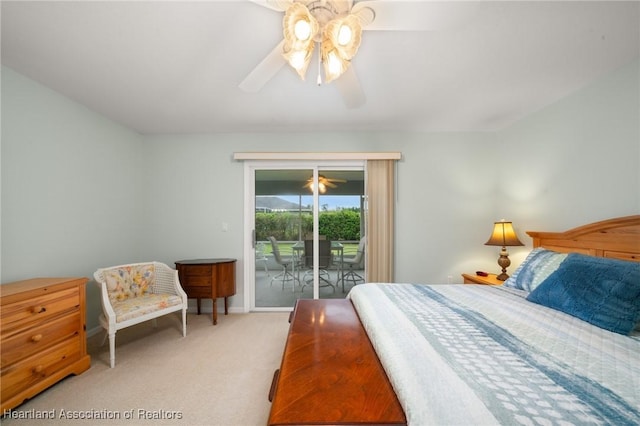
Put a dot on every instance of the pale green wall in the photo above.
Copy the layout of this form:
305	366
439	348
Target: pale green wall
70	187
113	196
577	161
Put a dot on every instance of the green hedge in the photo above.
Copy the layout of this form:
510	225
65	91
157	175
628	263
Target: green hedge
342	225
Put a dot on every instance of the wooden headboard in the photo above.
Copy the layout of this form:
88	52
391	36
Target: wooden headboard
617	238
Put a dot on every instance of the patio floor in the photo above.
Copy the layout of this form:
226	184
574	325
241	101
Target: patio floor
271	293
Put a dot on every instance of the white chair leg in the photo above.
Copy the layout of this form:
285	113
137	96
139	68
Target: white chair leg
184	323
112	349
104	337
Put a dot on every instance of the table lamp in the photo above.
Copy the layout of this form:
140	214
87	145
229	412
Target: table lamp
503	235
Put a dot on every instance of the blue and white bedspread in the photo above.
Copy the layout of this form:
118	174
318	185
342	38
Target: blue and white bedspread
475	354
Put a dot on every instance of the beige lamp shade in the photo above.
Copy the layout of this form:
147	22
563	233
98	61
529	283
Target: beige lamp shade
503	235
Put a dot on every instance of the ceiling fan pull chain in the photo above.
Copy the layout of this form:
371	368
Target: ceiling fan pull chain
319	66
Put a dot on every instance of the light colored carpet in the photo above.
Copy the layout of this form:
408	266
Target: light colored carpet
217	375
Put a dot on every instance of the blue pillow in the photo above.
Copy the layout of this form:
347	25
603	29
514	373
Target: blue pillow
537	266
604	292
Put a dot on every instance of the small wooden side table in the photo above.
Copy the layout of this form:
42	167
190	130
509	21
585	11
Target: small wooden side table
477	279
208	279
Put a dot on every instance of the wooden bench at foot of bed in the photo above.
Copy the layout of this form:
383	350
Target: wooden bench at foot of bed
330	373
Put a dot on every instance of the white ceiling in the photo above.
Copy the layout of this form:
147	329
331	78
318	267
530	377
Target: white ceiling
175	66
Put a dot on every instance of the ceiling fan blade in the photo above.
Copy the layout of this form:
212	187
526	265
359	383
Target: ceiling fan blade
277	5
349	87
390	15
265	70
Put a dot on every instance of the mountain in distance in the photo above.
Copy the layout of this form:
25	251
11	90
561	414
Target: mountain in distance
270	203
292	203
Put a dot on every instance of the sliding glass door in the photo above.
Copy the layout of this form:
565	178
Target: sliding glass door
306	223
282	222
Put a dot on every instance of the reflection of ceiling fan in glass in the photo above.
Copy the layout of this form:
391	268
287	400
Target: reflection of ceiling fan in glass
323	183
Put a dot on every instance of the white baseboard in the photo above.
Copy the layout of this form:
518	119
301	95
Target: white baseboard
93	331
209	310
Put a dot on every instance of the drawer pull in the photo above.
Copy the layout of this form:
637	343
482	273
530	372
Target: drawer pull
39	309
274	384
36	337
38	369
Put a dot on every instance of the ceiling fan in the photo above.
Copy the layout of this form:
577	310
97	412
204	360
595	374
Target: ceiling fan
324	22
323	183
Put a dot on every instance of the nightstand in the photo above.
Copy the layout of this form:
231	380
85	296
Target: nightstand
476	279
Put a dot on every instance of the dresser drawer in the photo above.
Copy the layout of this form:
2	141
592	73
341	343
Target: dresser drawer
199	292
28	342
28	372
198	271
197	281
42	308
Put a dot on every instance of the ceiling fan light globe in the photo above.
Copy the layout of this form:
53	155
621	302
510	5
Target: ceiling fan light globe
321	187
334	65
299	28
298	25
323	183
297	60
344	35
302	29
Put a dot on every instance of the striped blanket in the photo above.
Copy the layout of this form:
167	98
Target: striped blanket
473	354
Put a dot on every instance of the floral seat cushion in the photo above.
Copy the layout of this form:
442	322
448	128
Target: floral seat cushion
129	281
133	307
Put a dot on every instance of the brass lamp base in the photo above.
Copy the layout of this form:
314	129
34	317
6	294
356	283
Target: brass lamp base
504	263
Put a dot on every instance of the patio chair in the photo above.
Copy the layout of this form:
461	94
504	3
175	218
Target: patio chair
324	262
352	264
262	257
288	264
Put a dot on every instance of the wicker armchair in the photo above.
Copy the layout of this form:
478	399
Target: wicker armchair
135	293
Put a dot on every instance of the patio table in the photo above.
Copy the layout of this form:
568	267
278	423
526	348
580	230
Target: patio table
336	247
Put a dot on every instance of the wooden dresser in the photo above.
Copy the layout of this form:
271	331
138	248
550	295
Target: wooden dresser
43	331
208	279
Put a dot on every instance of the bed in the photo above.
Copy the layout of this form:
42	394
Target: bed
558	343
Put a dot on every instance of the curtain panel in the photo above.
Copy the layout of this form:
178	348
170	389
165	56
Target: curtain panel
380	189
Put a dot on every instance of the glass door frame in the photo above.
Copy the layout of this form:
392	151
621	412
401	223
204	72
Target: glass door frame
250	168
